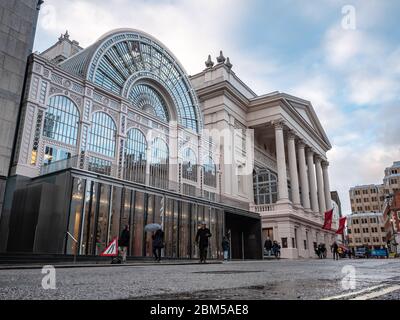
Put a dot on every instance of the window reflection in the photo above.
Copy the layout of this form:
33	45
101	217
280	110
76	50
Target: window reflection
159	168
135	156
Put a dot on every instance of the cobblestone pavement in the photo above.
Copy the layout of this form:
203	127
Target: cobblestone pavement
276	279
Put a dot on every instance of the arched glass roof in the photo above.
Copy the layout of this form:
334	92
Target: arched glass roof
122	57
149	100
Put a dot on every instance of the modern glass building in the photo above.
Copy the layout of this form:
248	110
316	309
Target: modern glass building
112	135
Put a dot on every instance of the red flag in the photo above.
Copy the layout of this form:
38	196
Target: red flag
342	222
328	220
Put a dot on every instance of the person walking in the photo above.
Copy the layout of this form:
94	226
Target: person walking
225	248
276	249
335	251
158	244
268	246
202	241
123	242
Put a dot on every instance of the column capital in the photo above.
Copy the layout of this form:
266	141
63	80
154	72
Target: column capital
292	134
301	144
310	150
318	158
279	124
325	164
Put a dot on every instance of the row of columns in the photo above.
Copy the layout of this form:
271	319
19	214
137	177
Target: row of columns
312	176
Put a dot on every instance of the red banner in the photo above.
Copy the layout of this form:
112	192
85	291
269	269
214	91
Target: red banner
342	222
328	220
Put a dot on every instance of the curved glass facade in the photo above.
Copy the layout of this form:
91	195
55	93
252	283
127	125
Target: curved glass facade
128	57
149	100
103	133
135	156
61	122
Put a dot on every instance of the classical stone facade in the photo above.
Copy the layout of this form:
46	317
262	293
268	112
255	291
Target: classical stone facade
289	184
17	30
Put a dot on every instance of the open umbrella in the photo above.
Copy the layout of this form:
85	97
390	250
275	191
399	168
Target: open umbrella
152	227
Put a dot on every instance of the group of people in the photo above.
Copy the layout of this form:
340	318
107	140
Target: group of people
272	248
202	237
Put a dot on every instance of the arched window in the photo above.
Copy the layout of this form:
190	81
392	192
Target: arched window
149	100
265	186
159	169
210	173
61	121
103	135
189	166
135	156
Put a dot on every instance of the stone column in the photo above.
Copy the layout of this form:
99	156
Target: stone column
311	180
320	185
327	189
305	191
283	195
294	178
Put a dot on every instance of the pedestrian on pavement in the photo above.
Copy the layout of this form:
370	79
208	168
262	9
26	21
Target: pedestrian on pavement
202	241
124	242
268	246
225	248
335	251
158	244
276	249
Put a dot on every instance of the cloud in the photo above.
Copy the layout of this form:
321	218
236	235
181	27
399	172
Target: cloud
190	29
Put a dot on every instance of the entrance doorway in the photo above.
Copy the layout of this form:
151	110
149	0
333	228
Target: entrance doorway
245	236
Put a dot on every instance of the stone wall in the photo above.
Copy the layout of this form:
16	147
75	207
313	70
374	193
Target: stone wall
18	20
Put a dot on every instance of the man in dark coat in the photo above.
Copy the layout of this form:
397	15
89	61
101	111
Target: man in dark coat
123	242
268	246
335	251
158	244
202	241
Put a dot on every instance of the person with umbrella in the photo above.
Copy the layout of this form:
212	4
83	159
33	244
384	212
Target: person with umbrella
158	239
202	241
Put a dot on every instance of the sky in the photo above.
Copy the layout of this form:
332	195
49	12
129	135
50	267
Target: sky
345	60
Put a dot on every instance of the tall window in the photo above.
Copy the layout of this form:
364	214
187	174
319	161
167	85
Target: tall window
103	134
61	121
265	187
159	164
189	166
135	156
210	173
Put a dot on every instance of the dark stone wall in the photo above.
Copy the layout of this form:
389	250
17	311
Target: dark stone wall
39	216
18	19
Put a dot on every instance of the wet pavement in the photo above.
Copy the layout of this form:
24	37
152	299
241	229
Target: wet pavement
269	280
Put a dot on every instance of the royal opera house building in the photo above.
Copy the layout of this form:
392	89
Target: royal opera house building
118	134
